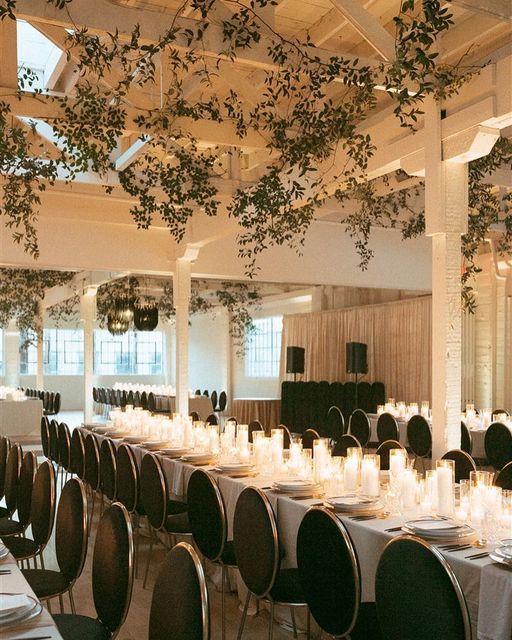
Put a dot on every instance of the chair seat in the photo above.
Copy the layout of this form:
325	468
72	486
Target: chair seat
178	523
75	627
44	582
176	506
10	527
228	555
287	587
5	512
21	547
367	625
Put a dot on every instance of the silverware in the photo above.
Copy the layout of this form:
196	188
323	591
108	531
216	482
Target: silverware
362	518
393	529
477	556
466	546
33	638
4	572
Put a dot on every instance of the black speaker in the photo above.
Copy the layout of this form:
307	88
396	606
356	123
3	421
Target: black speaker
294	359
356	357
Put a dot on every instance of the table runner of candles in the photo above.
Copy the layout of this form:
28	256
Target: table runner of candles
10	393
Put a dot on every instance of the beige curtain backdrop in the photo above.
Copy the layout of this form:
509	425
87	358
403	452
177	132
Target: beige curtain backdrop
398	335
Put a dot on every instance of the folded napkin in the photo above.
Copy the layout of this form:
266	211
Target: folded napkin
10	603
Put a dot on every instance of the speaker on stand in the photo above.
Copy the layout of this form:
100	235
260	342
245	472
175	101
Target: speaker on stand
357	361
295	361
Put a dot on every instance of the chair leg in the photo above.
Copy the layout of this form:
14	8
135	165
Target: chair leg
72	601
292	612
42	560
136	527
150	551
271	621
308	623
244	616
49	605
61	603
223	603
92	511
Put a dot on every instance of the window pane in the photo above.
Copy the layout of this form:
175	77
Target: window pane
263	348
132	353
63	353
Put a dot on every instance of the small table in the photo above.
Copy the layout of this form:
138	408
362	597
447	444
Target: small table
265	410
21	417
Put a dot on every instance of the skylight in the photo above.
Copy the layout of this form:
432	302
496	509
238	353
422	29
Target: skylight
40	55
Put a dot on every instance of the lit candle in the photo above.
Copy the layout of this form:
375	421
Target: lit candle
370	484
242	436
408	488
445	487
351	474
397	461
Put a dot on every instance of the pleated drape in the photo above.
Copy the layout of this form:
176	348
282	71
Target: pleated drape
398	335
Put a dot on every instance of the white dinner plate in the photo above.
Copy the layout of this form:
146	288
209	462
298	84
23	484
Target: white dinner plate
444	535
134	439
507	563
235	466
4	551
291	486
198	458
174	452
31	610
154	445
101	431
504	552
341	505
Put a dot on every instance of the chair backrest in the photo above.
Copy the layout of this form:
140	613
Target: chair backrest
92	462
255	425
504	478
25	486
77	453
12	475
417	594
127	478
307	438
466	439
194	415
179	607
153	490
207	515
255	541
347	440
214	399
108	468
287	436
329	571
206	393
151	402
387	428
464	463
496	412
112	567
359	426
383	451
498	445
71	530
212	419
53	437
335	423
56	403
42	508
64	437
223	400
4	450
45	437
419	436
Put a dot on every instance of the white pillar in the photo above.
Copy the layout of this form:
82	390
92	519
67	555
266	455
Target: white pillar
40	355
12	355
181	289
88	316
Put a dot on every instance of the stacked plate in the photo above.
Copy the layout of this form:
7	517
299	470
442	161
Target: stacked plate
438	529
174	452
297	487
154	445
133	439
198	458
354	504
17	607
503	553
102	430
236	468
4	551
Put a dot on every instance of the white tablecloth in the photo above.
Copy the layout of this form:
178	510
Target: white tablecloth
20	417
265	410
486	586
402	428
201	404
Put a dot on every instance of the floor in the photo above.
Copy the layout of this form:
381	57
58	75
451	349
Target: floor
136	624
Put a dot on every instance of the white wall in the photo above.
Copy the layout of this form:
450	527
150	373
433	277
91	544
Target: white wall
209	352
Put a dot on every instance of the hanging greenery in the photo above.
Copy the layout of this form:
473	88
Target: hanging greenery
302	119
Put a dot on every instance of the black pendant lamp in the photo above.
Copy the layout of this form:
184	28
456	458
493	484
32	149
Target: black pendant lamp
145	317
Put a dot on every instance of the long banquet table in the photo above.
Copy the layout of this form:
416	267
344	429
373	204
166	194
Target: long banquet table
20	417
487	586
42	625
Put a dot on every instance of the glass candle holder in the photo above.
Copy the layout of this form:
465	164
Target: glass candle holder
481	478
370	468
320	459
425	408
445	475
242	436
352	468
397	462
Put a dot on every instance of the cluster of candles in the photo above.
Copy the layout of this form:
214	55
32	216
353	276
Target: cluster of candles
9	393
483	418
405	411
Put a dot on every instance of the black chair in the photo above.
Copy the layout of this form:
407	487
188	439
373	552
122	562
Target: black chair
214	399
108	470
346	441
45	437
212	419
223	400
92	470
112	580
70	547
334	424
151	402
164	515
42	515
179	607
255	425
207	516
496	412
287	436
12	474
53	441
419	436
194	415
9	526
4	450
128	490
197	392
464	463
330	577
64	439
466	439
383	451
307	438
258	558
418	595
359	427
498	445
206	393
504	478
77	453
387	428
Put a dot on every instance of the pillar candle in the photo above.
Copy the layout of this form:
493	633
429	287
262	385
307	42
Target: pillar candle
350	474
445	495
370	485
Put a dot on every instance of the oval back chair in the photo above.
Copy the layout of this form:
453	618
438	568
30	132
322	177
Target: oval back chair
307	438
334	424
383	452
387	428
12	475
504	478
464	463
466	439
359	426
77	453
498	445
108	469
346	441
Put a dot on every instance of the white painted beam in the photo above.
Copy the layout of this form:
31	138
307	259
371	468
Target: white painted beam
8	54
126	158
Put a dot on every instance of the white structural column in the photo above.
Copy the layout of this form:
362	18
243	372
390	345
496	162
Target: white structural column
40	354
88	316
181	289
12	355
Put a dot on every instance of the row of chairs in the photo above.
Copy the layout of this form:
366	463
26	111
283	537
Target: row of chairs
108	398
51	400
219	401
